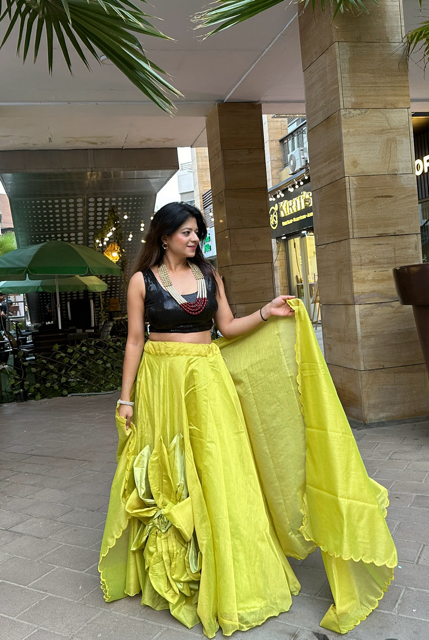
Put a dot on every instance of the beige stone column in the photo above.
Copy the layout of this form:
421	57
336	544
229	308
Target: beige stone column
201	174
365	207
240	204
275	128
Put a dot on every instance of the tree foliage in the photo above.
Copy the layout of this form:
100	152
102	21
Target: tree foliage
103	27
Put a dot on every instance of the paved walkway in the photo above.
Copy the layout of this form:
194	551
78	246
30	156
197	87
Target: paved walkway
56	465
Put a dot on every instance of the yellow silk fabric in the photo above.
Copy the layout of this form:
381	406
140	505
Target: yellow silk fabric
240	454
311	471
187	523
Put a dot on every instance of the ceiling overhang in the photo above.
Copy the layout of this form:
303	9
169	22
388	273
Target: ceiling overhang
86	172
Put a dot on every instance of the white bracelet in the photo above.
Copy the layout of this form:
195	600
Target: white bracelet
129	404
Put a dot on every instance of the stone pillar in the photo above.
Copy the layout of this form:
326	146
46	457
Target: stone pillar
281	284
275	128
240	204
201	174
365	207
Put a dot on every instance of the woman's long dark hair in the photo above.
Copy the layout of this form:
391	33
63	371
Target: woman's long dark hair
164	223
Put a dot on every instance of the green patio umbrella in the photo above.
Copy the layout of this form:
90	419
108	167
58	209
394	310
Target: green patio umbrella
48	285
55	258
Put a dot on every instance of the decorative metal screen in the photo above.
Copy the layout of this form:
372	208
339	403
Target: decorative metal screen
76	219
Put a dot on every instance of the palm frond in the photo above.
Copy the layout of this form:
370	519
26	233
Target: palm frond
105	27
418	40
227	13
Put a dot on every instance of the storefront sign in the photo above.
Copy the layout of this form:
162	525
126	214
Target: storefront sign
422	165
209	244
292	214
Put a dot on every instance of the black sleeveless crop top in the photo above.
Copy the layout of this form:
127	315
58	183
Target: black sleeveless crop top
165	315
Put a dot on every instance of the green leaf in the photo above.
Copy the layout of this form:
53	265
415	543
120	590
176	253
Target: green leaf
227	13
104	25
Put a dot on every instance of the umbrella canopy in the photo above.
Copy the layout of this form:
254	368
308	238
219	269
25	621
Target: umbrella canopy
55	258
73	283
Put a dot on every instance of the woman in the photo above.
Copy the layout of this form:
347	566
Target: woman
189	524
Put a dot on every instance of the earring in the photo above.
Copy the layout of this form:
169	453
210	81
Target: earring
164	246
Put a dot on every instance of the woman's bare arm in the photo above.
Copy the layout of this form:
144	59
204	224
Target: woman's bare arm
231	327
135	339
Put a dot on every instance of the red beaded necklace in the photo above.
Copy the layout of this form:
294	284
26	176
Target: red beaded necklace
193	308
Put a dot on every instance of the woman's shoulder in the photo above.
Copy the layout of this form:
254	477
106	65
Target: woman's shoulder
137	283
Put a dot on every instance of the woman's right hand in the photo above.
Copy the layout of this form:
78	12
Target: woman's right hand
126	411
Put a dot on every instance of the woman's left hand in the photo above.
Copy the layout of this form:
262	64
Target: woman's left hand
279	306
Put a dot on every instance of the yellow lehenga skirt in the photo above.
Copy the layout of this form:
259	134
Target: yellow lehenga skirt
240	455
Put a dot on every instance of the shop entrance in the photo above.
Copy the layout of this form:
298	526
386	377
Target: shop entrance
302	267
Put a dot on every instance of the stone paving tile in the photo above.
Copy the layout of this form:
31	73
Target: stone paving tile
390	600
52	495
414	532
41	634
48	510
421	502
112	626
29	547
163	618
79	537
407	475
94	488
73	585
382	626
409	514
311	579
4	455
71	557
26	478
420	488
15	503
58	615
8	488
83	517
129	606
62	484
93	569
39	527
408	551
22	570
87	501
410	575
419	466
415	604
14	630
305	612
14	600
170	634
6	473
7	536
400	465
4	556
9	519
424	557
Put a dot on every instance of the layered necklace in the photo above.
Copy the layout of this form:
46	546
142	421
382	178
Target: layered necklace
194	308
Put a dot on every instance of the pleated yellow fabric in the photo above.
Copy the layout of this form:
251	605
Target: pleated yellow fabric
240	455
187	523
311	471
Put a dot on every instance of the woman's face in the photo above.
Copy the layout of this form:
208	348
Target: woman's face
185	240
